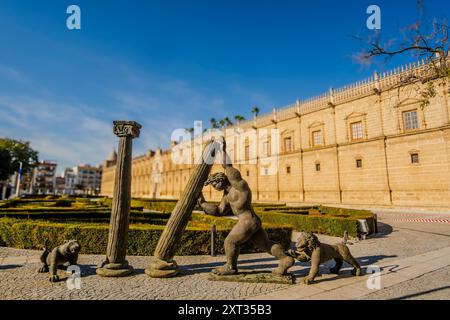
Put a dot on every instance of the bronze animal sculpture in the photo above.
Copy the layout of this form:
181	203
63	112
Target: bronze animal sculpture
309	248
237	197
55	259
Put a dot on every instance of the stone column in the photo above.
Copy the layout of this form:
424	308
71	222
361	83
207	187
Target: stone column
115	264
165	266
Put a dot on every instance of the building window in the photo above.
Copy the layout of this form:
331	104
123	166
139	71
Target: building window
410	121
414	158
288	170
248	173
317	167
247	153
357	131
288	144
266	171
317	138
266	148
359	163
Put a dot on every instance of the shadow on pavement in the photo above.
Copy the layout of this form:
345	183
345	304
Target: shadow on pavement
208	267
414	295
383	231
10	266
373	259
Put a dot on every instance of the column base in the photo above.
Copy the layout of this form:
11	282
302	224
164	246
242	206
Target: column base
162	269
115	270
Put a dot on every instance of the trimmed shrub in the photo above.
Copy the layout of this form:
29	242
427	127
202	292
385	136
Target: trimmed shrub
142	239
284	208
63	203
328	225
155	204
83	200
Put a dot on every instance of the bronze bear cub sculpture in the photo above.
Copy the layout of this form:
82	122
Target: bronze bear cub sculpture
56	258
309	248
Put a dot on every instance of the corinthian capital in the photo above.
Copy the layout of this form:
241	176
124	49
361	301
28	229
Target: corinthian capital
127	129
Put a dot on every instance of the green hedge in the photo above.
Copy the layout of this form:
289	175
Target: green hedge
155	204
284	208
322	225
142	239
98	215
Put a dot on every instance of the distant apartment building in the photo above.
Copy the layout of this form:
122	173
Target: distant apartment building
70	181
60	185
83	179
43	180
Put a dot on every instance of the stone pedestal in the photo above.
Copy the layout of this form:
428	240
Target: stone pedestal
165	266
115	264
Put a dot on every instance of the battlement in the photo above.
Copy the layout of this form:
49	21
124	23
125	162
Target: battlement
377	83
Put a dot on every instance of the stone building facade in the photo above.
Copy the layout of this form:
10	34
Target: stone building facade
377	142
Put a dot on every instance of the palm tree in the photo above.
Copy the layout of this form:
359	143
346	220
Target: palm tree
228	121
238	118
213	123
255	111
222	123
190	130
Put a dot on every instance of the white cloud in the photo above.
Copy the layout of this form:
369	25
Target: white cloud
11	73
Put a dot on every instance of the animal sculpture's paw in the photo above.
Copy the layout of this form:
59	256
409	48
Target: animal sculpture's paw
280	271
334	270
308	281
54	278
225	271
43	269
356	272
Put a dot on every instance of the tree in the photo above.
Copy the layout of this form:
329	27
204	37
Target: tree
255	111
238	118
222	123
228	121
5	164
428	42
213	123
19	151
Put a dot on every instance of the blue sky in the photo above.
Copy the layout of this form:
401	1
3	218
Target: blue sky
168	63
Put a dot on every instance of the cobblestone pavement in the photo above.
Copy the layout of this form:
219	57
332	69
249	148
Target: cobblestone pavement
19	279
432	286
398	243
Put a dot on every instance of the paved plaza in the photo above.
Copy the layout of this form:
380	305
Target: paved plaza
414	257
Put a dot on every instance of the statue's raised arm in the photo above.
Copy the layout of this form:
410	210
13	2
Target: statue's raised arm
233	175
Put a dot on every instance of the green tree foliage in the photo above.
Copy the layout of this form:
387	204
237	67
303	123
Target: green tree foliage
18	151
255	111
5	164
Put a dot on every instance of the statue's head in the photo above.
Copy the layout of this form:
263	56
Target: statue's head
307	241
218	180
72	247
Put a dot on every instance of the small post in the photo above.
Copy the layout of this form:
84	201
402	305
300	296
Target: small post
213	238
375	220
115	264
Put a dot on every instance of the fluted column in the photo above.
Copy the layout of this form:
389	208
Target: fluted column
115	264
165	266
